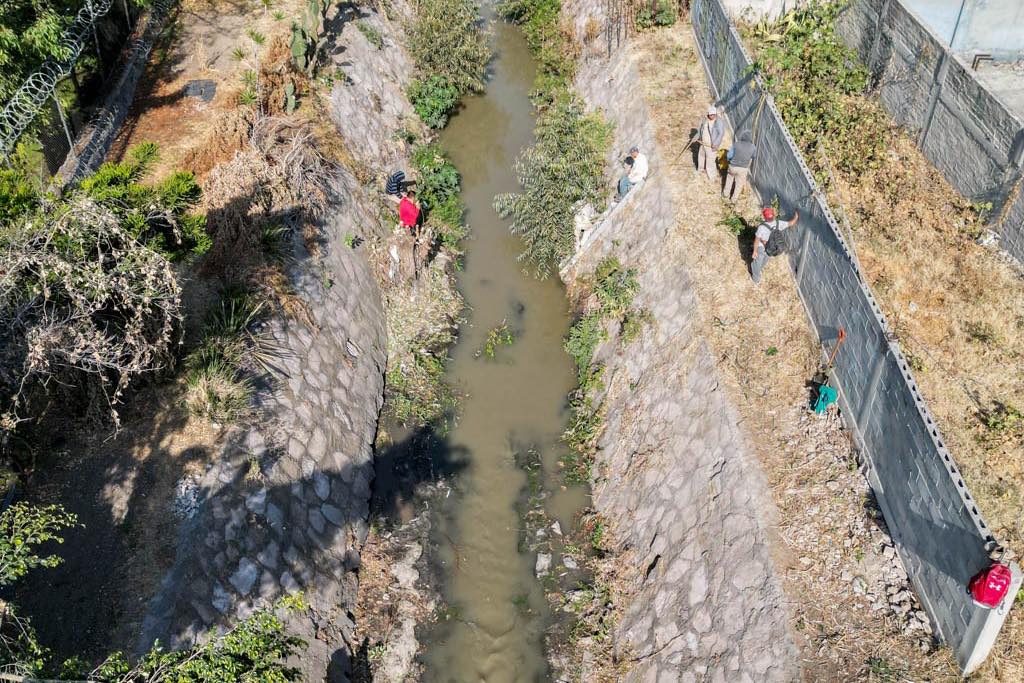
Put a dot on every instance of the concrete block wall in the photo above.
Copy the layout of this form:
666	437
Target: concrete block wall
966	131
939	531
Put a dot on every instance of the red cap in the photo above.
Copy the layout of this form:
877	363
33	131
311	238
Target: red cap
768	213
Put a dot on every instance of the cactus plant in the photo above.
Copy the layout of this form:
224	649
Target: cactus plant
289	97
299	47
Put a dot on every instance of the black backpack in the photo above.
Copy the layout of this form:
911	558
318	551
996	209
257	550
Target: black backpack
778	242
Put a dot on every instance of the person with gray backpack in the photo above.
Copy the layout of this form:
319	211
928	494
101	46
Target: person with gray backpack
774	237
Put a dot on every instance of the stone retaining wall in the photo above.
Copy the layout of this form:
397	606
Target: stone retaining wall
938	529
285	508
976	140
677	481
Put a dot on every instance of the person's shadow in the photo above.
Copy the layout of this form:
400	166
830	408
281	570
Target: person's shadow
745	239
694	148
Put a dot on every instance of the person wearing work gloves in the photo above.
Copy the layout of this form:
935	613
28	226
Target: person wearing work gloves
740	156
712	130
771	239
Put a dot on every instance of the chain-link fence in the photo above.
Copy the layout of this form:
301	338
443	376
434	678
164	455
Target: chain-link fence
95	140
41	114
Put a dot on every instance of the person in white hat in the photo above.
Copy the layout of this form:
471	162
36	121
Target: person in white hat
712	131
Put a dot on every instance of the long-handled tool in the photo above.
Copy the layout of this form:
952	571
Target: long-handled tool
839	342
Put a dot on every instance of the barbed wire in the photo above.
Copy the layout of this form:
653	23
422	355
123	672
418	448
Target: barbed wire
25	104
94	142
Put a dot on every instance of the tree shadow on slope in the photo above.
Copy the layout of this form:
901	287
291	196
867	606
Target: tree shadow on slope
122	488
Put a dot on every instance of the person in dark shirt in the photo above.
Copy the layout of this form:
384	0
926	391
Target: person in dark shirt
740	157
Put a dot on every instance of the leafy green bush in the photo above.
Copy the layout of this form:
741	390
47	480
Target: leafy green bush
633	323
615	286
17	197
434	99
438	185
583	338
23	527
446	41
663	13
563	168
255	650
157	215
817	82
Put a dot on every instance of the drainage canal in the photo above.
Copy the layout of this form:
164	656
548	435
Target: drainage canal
513	411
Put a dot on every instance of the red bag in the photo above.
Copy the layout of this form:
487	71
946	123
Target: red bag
990	585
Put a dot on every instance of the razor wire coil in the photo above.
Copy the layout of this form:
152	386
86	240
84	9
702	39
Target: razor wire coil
23	107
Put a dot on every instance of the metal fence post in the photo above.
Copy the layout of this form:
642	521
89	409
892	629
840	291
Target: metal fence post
63	122
95	34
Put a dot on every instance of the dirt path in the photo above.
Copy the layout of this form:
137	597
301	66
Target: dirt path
854	615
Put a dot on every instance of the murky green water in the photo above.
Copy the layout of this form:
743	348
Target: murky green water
515	401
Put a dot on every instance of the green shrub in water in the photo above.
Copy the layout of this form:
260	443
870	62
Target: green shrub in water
446	41
563	168
434	99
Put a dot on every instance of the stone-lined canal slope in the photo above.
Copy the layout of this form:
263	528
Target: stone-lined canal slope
676	478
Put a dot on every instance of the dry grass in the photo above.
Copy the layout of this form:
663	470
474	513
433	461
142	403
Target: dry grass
826	533
958	310
588	651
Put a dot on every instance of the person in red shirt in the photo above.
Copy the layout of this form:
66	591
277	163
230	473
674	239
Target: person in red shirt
409	211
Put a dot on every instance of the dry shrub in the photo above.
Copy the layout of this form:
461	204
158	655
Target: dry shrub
958	309
83	304
275	70
228	135
279	179
422	317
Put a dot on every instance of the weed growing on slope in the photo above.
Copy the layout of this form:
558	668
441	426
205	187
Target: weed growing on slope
451	53
372	35
614	288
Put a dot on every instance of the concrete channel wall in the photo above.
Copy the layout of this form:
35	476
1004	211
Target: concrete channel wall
939	531
966	131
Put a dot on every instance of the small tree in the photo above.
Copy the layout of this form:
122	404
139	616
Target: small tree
22	529
445	40
562	169
88	297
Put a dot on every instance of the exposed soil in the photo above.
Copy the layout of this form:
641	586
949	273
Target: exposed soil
198	46
854	615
